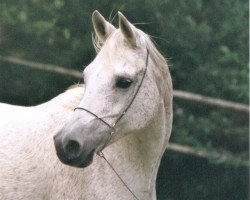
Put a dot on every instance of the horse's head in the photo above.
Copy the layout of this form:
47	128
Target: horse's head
128	75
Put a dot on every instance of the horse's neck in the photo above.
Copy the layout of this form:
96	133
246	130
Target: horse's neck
136	157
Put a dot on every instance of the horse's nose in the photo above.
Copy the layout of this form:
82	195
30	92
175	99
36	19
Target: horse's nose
72	148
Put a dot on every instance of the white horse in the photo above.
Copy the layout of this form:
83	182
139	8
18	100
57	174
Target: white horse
127	76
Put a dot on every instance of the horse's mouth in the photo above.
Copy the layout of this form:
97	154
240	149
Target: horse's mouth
78	162
87	161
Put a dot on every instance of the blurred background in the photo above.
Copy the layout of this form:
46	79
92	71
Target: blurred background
206	44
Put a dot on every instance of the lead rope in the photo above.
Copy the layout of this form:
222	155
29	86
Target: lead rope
112	127
125	184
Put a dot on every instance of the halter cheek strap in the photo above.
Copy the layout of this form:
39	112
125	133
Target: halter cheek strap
112	127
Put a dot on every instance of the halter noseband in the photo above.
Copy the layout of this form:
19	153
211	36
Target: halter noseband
112	127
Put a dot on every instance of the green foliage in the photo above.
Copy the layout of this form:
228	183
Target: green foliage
206	43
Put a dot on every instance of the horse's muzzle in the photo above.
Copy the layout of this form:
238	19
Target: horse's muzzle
71	152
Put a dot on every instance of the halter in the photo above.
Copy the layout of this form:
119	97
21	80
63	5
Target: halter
112	127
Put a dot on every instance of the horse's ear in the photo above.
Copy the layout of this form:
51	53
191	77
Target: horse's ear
102	27
127	29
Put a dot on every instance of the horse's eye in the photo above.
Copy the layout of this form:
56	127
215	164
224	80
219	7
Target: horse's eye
122	82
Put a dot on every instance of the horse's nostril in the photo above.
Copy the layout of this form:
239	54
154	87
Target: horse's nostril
72	149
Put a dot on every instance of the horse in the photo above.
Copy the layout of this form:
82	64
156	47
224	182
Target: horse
123	111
